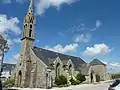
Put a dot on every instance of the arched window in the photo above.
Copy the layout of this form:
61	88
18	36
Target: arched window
70	70
57	69
30	33
31	20
30	26
20	77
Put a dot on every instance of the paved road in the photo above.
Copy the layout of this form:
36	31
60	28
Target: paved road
94	87
103	86
87	87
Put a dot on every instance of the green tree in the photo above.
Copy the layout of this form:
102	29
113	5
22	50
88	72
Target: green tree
61	80
80	77
74	82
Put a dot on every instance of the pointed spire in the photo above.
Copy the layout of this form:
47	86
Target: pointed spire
30	10
31	3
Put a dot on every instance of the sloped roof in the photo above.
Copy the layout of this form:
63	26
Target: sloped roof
8	67
84	69
1	37
46	56
2	40
96	62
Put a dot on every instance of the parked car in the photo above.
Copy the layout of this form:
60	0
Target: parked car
115	85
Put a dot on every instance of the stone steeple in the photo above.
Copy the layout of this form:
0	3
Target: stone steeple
29	22
23	73
30	10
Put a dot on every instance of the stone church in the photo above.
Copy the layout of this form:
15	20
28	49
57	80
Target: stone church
38	67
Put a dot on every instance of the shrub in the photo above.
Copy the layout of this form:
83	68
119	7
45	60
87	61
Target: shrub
9	82
61	80
74	82
80	78
115	76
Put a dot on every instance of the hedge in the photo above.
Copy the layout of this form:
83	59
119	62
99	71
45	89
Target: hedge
61	80
81	78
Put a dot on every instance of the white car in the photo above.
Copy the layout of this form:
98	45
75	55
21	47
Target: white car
115	85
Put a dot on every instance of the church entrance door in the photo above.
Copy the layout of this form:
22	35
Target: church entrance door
19	78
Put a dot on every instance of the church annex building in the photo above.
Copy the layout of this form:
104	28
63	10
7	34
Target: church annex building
38	67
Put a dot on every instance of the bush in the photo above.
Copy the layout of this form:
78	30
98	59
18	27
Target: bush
74	82
80	78
9	83
115	76
61	80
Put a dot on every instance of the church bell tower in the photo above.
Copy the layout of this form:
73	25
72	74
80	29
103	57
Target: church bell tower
29	22
23	71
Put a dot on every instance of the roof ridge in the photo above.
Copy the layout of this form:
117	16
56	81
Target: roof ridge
57	52
45	54
96	62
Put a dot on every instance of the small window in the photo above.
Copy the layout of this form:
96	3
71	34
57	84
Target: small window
31	20
30	33
20	73
30	26
46	74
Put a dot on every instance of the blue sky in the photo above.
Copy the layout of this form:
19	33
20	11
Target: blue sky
85	28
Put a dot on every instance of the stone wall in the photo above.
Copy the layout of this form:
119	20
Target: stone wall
40	72
100	70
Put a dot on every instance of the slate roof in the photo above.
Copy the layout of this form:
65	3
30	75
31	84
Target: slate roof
96	62
2	40
84	69
1	37
8	67
47	56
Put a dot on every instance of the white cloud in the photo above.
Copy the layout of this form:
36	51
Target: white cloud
7	1
112	67
61	34
16	40
37	41
16	56
97	49
13	41
10	1
83	38
21	1
42	5
78	27
105	62
61	49
115	64
14	59
9	24
10	42
98	23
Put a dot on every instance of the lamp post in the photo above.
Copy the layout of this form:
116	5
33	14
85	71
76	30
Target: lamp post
3	48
